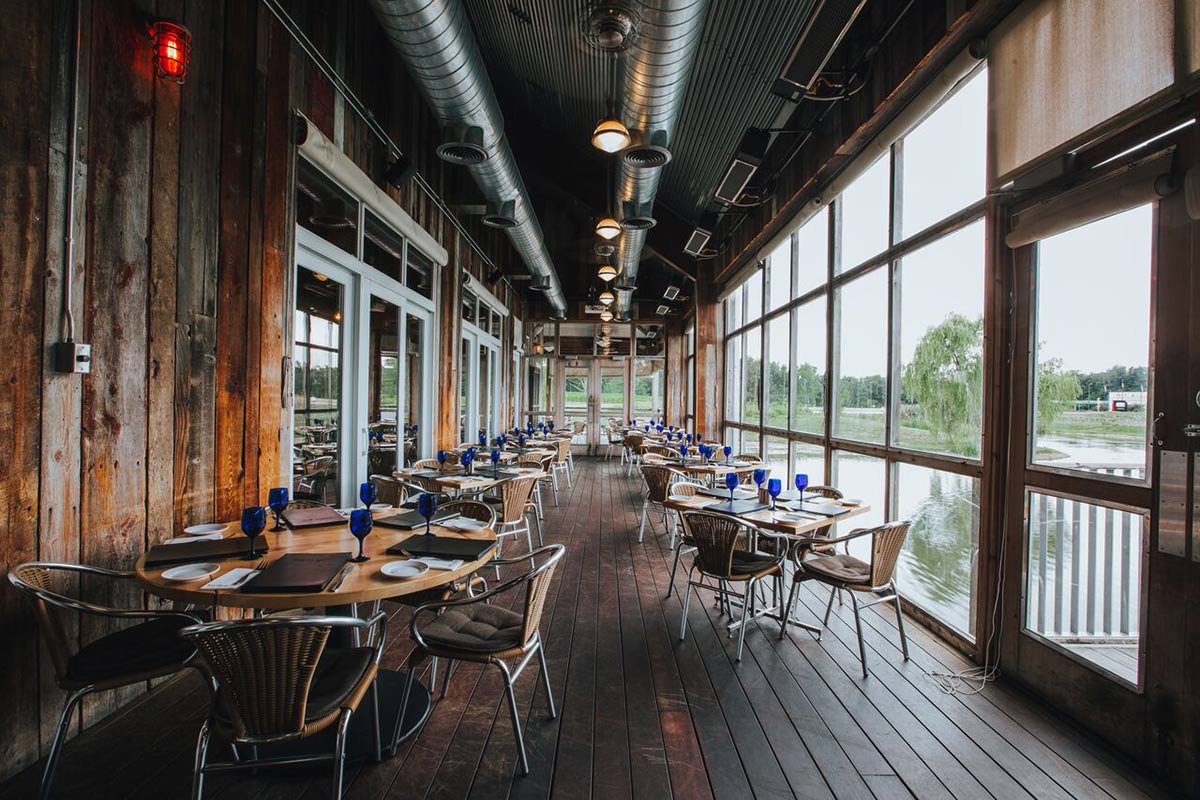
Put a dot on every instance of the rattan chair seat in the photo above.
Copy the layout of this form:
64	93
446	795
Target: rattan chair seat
747	564
840	568
149	647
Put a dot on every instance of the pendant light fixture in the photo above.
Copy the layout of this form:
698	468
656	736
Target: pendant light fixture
607	228
607	298
606	315
606	273
610	134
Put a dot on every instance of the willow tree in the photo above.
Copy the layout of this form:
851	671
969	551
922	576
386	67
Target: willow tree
945	379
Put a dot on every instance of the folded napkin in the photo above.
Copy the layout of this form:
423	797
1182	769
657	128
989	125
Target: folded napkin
202	538
463	524
442	563
233	579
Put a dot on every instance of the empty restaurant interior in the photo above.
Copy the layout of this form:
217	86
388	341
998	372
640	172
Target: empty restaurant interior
804	394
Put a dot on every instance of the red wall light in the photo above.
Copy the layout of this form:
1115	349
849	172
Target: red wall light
172	49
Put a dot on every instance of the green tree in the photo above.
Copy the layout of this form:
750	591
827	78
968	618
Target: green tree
1057	389
945	378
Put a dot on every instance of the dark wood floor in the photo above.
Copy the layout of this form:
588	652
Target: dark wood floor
645	715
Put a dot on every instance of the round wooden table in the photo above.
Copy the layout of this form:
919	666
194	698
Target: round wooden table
404	702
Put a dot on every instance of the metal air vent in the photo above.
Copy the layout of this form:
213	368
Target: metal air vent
610	27
463	146
647	152
501	215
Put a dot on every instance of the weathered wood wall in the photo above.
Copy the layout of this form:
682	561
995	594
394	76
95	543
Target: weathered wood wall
182	271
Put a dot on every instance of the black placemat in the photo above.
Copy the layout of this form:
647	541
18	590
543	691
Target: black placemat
298	572
442	547
737	508
203	550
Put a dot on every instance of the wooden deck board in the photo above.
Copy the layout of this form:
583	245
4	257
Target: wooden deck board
642	714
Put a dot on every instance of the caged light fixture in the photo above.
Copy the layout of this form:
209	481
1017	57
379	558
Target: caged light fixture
172	49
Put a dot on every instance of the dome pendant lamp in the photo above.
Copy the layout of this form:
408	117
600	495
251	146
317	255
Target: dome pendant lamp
606	273
610	136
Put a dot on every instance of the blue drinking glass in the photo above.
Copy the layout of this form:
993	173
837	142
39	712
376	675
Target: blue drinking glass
441	457
413	428
551	424
468	460
659	428
495	455
254	519
760	477
427	507
731	482
689	438
728	451
801	484
647	427
368	493
360	525
277	499
683	450
483	440
521	443
774	487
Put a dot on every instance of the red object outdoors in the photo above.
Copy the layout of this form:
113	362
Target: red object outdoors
172	49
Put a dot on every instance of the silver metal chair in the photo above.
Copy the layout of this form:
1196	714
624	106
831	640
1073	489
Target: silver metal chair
658	480
273	680
151	648
472	629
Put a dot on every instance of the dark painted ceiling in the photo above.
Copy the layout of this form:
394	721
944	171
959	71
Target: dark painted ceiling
554	86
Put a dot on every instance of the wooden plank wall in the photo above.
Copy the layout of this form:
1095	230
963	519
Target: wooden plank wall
182	271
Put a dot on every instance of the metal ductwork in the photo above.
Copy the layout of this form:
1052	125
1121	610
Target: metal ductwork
656	68
435	40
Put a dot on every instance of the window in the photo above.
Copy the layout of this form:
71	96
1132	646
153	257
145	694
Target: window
812	251
1092	324
779	275
937	565
941	344
418	274
689	387
733	310
325	208
1084	580
944	158
861	328
779	337
754	296
383	248
648	387
775	456
864	478
734	353
808	405
864	216
470	307
809	459
752	382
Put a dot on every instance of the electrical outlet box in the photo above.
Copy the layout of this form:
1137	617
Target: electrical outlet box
72	357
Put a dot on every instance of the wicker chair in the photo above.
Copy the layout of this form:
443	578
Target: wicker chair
273	680
723	554
513	518
615	440
427	463
317	473
540	461
658	481
561	463
389	489
632	452
682	489
471	629
844	571
150	648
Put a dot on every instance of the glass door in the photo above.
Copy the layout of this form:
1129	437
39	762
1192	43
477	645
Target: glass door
612	397
577	397
479	385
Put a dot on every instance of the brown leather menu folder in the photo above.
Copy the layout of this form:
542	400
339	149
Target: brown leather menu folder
203	550
298	572
317	517
441	547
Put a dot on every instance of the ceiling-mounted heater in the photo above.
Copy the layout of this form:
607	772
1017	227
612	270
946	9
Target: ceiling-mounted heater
752	149
827	24
698	240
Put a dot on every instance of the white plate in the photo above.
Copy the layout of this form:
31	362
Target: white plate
197	538
206	529
380	506
190	572
413	568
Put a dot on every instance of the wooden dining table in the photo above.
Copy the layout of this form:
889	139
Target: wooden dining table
457	482
404	702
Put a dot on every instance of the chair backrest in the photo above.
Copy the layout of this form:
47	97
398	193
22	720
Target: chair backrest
749	458
541	459
388	489
564	447
633	441
658	480
887	541
472	509
826	491
36	581
578	426
716	537
263	669
514	494
426	463
539	586
304	504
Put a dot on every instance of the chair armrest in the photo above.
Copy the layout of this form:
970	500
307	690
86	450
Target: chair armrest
857	533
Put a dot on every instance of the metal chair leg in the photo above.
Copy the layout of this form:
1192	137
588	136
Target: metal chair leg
60	737
339	754
862	648
546	678
829	606
642	527
900	621
787	609
687	596
201	759
445	680
375	720
750	587
516	719
674	569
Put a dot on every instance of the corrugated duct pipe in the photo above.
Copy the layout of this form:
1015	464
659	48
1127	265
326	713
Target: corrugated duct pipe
435	40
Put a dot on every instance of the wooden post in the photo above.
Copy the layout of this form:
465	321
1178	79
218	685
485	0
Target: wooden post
709	355
449	322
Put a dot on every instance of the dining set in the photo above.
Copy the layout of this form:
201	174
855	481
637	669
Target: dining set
742	529
287	623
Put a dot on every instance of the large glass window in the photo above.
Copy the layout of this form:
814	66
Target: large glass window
944	158
754	296
325	208
779	275
779	339
941	344
937	565
808	407
734	372
862	478
648	387
812	253
864	208
1092	324
317	386
1083	580
861	392
752	366
383	248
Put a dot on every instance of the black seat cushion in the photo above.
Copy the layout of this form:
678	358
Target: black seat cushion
478	627
841	568
146	647
749	563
